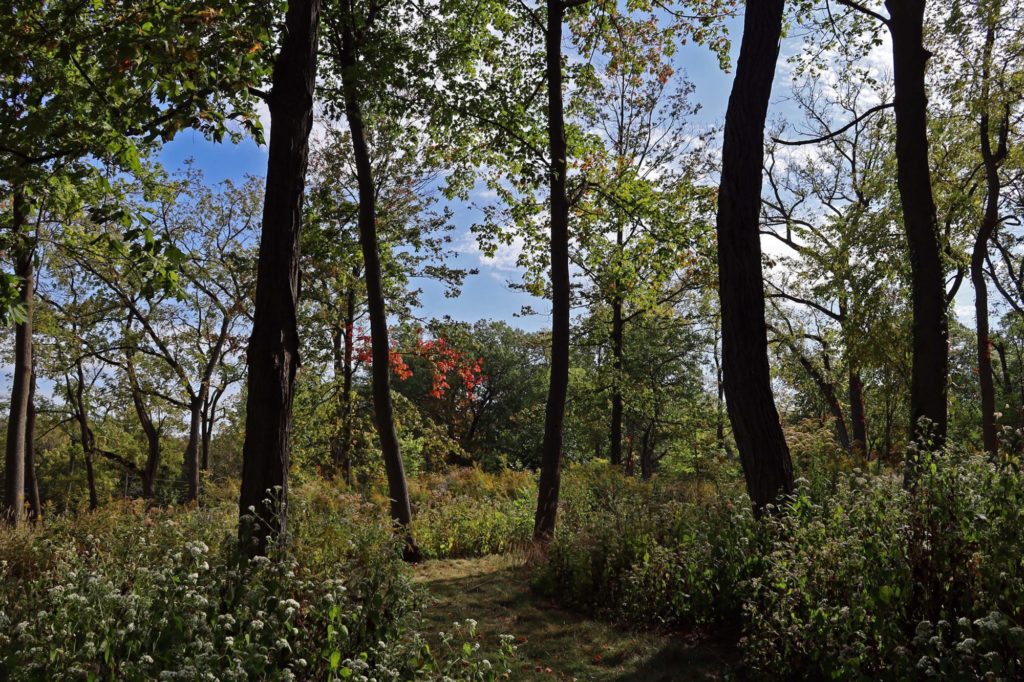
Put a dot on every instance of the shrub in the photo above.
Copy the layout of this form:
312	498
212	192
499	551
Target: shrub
130	594
876	582
649	552
471	513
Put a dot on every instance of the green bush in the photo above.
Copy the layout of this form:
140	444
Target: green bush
649	552
130	594
873	581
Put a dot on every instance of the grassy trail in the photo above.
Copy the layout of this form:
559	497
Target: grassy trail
553	643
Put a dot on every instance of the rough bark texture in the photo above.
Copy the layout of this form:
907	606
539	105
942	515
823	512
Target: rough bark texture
928	290
746	375
554	412
273	354
401	510
14	480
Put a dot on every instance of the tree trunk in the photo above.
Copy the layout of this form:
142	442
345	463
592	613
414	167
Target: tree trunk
858	420
616	426
31	480
85	433
554	413
347	372
828	393
747	378
343	349
992	158
14	482
401	510
152	433
928	295
90	482
647	453
192	446
723	442
273	354
209	419
1000	348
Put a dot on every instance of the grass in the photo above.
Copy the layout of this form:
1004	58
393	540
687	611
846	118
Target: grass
553	643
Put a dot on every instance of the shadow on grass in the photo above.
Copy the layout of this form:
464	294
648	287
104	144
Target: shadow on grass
554	643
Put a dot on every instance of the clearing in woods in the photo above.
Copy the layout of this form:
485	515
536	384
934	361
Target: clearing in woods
554	643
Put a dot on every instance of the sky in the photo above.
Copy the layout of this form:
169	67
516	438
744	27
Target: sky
488	294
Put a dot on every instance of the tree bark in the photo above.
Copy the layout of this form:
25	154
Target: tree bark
1000	349
858	421
647	453
31	480
617	407
401	510
273	354
148	474
554	412
192	447
751	405
928	387
992	158
343	352
209	418
14	482
85	434
828	393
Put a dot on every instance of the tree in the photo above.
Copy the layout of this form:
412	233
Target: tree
748	391
982	58
273	355
928	380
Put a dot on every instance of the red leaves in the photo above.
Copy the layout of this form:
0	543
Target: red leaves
447	364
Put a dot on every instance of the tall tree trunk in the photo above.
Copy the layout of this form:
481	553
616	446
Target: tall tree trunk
616	426
195	419
928	292
273	354
346	386
401	510
747	378
148	474
554	413
31	480
343	351
858	421
14	481
992	158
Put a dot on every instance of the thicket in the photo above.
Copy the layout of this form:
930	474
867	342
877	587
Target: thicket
129	593
855	578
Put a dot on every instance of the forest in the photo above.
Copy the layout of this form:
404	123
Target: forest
438	340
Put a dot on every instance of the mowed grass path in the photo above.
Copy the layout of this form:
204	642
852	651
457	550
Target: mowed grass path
554	643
